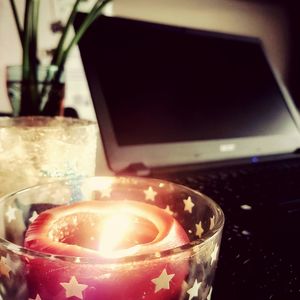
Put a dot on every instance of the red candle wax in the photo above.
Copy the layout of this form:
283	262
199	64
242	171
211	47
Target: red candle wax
102	234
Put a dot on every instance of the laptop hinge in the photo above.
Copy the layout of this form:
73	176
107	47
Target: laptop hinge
136	169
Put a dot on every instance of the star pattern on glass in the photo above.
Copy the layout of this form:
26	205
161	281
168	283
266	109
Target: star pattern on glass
209	294
212	223
194	290
33	217
214	254
11	214
36	298
4	267
169	210
199	229
162	281
77	260
188	204
73	288
150	194
106	192
13	265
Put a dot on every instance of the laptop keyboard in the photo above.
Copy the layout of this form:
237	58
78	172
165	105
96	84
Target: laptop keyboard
275	184
260	254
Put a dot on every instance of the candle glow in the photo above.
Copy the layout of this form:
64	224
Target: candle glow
115	229
107	231
118	231
162	244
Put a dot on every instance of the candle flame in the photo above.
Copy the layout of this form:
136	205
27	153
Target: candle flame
115	231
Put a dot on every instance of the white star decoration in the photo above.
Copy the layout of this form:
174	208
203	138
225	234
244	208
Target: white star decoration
209	294
36	298
73	288
188	204
11	214
169	210
194	290
4	267
162	281
77	260
106	192
33	217
150	194
214	254
199	229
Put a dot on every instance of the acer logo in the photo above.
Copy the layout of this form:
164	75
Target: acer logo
227	147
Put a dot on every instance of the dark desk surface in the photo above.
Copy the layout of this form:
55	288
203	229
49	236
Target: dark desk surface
260	250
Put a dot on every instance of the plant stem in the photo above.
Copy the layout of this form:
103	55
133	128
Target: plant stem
29	83
34	80
35	21
17	20
26	40
60	61
90	18
32	101
59	50
56	57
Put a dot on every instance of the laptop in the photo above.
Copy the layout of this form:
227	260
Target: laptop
207	110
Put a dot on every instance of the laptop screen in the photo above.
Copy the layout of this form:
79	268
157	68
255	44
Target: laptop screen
165	84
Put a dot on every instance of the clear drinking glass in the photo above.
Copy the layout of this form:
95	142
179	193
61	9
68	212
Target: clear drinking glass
181	272
37	149
41	95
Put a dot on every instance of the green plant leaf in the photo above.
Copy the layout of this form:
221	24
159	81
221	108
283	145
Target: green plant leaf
60	48
17	20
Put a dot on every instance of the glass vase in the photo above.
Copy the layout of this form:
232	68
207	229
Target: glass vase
41	94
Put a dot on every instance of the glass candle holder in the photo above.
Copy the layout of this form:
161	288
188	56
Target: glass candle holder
62	262
38	149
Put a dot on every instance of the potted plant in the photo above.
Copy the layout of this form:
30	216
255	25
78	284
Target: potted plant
38	143
35	89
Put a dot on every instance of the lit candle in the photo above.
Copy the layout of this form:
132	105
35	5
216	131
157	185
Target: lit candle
106	233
